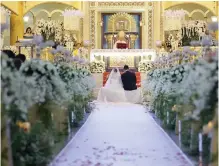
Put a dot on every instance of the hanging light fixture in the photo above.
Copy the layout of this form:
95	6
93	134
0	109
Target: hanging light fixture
26	18
72	19
214	18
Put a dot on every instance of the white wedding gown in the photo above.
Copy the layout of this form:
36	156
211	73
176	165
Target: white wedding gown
113	90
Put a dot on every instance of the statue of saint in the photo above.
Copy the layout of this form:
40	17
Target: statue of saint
121	43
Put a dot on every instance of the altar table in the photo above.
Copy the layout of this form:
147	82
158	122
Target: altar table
114	58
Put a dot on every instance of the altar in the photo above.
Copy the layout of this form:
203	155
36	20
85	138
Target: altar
120	57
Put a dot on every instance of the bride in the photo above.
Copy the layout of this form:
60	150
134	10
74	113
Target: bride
113	90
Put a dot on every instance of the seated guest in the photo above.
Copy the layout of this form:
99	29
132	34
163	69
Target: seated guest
76	51
22	57
17	63
9	53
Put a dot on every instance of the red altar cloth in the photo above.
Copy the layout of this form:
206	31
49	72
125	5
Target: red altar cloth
122	45
138	76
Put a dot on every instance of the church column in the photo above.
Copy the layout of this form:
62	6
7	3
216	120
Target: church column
17	24
157	22
86	21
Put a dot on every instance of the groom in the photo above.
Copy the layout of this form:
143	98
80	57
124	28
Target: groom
128	79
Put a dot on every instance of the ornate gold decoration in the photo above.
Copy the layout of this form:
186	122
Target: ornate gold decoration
92	4
92	28
121	4
81	28
161	21
150	24
122	22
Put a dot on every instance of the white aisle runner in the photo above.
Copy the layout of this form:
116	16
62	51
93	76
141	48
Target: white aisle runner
121	135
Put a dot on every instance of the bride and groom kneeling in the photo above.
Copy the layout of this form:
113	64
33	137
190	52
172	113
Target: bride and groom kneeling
120	88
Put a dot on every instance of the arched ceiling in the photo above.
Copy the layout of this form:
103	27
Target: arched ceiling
12	6
49	9
28	5
194	11
210	5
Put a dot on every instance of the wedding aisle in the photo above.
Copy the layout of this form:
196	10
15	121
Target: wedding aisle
121	135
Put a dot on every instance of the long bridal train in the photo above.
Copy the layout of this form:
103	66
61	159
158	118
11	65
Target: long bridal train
113	90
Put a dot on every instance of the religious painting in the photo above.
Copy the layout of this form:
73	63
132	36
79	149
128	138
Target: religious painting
122	25
129	23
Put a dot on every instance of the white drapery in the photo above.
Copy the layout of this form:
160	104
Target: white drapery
72	23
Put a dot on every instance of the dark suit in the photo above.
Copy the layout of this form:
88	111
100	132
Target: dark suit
129	81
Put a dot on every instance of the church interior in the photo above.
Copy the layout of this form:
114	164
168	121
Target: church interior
148	31
98	36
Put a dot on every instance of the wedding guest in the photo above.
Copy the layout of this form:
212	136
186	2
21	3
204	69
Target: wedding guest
9	53
78	46
17	63
22	57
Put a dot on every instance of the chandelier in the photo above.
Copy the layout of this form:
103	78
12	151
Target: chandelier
175	13
72	12
72	19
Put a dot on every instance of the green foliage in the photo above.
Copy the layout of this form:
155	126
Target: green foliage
33	148
206	155
185	133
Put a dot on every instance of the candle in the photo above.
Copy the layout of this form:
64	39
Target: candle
200	142
72	116
167	117
179	132
179	126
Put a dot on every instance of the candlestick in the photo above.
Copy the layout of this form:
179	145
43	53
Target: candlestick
167	117
179	132
200	142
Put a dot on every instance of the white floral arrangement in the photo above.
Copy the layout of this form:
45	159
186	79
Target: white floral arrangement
68	37
83	53
144	66
195	87
79	82
86	81
97	66
43	79
184	81
50	30
13	87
